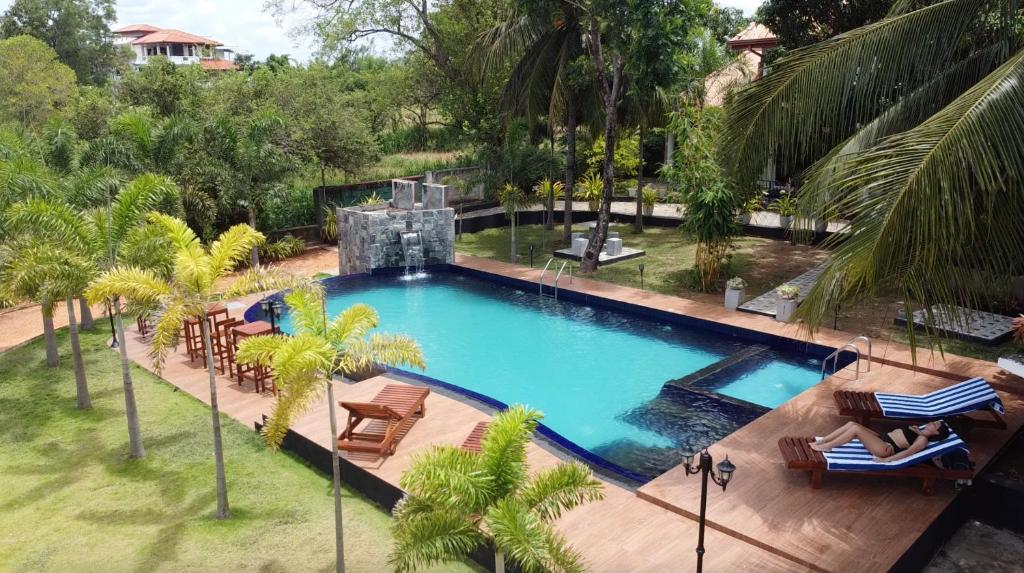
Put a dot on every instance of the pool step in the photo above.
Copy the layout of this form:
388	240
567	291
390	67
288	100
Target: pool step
687	382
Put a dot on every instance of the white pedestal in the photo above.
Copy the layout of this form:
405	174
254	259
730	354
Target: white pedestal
613	247
784	309
733	298
579	245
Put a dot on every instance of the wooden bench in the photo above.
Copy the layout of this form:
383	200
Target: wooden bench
863	406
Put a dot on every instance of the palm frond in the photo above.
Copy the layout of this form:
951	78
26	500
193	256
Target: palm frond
528	541
386	349
143	194
926	223
263	279
169	318
853	76
231	248
430	538
503	447
141	285
351	324
561	488
450	478
305	304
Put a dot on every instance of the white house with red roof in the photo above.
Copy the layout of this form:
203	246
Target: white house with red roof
179	47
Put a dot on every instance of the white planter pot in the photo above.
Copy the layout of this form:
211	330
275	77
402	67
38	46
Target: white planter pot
784	309
820	226
648	210
744	218
785	221
733	298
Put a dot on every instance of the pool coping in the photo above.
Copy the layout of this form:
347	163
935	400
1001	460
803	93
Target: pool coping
608	469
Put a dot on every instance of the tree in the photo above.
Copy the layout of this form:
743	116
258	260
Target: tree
163	86
799	23
106	237
305	362
45	270
923	154
513	198
724	22
457	501
186	294
543	44
624	38
78	30
34	85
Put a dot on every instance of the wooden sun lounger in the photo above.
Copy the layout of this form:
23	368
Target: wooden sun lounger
392	412
472	443
799	456
863	406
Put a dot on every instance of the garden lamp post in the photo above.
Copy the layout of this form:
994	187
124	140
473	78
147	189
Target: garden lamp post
271	308
725	471
641	266
531	256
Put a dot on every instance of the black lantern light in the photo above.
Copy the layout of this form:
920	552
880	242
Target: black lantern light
726	469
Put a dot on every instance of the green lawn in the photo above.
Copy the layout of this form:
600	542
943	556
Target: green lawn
72	501
667	264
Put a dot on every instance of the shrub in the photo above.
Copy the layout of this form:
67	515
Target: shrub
788	291
736	283
590	189
650	196
287	246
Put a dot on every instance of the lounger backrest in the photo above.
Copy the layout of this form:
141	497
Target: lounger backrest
855	457
967	396
372	411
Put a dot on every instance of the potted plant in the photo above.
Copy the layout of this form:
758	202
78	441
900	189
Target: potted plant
786	305
749	207
734	292
785	206
590	189
650	197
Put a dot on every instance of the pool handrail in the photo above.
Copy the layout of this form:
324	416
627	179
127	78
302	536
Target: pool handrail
559	275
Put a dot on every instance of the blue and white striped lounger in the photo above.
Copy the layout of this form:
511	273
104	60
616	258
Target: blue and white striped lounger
855	457
974	395
969	396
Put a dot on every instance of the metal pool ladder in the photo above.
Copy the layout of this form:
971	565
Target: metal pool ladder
850	345
540	283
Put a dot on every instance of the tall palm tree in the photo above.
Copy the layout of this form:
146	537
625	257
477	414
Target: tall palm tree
457	501
47	271
187	293
108	236
911	126
543	43
512	198
305	362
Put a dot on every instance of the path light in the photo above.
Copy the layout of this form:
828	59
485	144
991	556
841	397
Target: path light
725	471
531	256
271	308
641	266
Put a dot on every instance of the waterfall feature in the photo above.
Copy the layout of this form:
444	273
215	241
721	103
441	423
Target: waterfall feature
412	248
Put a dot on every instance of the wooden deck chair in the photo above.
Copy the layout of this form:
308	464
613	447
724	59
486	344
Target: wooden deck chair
390	414
474	439
958	400
854	459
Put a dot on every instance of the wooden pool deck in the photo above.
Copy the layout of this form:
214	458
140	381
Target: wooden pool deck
768	520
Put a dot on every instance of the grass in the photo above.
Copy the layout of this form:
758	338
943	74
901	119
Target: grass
73	500
668	263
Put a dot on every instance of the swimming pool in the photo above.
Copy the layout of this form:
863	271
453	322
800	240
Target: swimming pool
627	392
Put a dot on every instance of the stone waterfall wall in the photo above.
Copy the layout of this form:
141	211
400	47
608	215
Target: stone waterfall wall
369	237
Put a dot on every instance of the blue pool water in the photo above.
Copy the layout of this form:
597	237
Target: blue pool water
598	375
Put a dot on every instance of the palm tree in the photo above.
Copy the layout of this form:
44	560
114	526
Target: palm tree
108	236
457	501
911	126
304	363
512	198
47	271
543	43
187	293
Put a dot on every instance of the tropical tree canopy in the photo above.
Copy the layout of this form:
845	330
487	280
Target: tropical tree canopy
457	501
911	126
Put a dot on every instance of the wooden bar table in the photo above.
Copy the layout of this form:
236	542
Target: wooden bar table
259	374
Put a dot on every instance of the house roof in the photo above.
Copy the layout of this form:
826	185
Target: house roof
174	37
137	28
217	65
753	36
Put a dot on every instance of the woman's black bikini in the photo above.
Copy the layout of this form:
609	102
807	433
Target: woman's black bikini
900	438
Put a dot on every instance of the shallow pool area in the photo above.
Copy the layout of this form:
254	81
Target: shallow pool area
627	392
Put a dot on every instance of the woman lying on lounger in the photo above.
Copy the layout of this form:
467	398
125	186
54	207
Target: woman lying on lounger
895	445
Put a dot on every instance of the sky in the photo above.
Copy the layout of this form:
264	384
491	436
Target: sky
243	24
